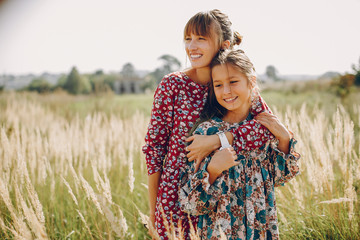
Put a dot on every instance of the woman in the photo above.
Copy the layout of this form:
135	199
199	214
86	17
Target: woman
233	194
178	101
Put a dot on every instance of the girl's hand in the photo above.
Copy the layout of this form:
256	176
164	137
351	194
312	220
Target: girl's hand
201	146
271	122
222	160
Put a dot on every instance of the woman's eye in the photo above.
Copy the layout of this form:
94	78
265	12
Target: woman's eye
233	81
187	38
217	85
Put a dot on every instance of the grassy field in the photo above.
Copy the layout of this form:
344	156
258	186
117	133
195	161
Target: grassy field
72	168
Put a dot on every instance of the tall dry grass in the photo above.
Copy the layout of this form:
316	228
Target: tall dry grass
71	176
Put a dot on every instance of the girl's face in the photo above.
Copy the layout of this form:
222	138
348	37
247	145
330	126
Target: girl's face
231	88
200	49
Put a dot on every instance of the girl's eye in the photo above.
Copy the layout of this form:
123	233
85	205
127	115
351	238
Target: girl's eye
217	85
233	81
187	38
202	38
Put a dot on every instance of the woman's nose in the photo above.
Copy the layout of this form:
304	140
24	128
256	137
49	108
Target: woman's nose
192	45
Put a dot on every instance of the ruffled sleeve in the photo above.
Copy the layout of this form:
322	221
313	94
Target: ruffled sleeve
284	166
196	195
160	126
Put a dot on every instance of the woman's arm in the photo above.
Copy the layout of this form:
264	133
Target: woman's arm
157	137
271	122
204	145
283	158
153	185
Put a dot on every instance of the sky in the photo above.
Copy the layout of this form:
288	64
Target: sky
297	37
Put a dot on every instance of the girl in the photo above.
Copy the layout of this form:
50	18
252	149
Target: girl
178	101
234	195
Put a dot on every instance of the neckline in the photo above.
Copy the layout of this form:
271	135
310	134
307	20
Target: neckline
248	118
198	84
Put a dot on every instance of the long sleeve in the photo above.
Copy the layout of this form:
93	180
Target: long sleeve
283	167
160	126
196	195
251	134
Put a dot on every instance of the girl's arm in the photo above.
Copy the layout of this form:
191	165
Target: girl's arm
204	145
200	191
283	167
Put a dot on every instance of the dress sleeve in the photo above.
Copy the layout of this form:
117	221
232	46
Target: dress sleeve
250	135
283	166
160	126
196	195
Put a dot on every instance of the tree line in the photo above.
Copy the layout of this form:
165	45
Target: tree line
100	82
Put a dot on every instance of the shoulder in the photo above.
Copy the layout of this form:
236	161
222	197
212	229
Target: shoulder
209	127
172	81
175	77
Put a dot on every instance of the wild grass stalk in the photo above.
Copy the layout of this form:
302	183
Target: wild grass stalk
78	171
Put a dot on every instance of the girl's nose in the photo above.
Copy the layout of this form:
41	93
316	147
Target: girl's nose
227	89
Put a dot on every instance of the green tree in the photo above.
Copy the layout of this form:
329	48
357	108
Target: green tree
169	64
343	85
39	85
357	73
272	73
77	84
128	70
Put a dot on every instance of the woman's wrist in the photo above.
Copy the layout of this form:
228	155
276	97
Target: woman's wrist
285	138
217	143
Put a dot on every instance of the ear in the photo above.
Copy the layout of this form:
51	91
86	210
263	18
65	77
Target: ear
225	44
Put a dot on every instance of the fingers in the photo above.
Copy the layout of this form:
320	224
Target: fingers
189	139
197	165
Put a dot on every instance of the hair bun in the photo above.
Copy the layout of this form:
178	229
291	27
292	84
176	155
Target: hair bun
237	38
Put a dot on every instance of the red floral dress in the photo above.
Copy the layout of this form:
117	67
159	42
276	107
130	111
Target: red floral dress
178	102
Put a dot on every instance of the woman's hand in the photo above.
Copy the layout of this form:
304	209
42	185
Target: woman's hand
201	147
152	222
271	122
222	160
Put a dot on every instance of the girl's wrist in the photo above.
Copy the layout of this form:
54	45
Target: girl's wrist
213	170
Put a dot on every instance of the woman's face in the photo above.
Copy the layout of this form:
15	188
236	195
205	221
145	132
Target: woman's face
200	49
231	88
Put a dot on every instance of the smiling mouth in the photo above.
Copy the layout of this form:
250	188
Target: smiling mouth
230	100
195	56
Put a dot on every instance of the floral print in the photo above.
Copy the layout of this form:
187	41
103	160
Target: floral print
241	202
178	102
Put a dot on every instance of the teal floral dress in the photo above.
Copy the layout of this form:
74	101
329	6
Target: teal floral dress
240	204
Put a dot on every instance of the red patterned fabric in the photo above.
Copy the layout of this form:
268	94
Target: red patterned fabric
251	134
178	102
177	105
